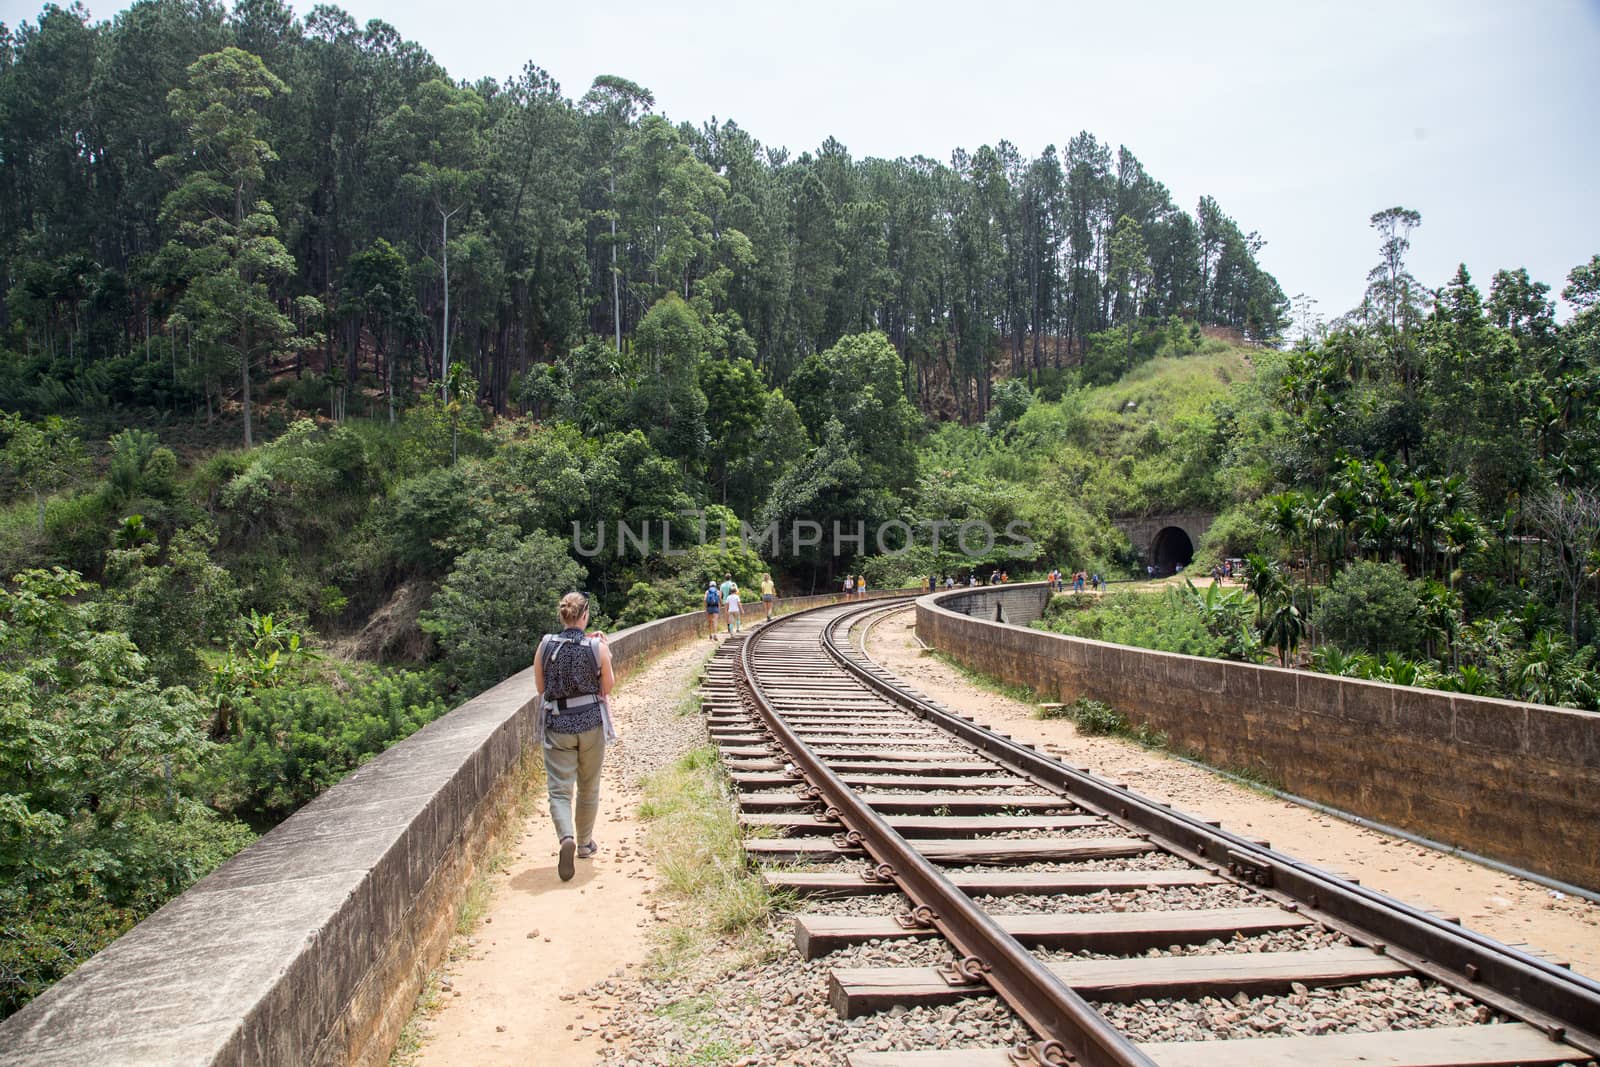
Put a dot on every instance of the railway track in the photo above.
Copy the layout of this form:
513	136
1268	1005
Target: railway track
1086	908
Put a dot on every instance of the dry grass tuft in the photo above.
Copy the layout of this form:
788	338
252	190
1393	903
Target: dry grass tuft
695	837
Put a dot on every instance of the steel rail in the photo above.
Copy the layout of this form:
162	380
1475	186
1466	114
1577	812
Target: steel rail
1071	1030
1564	1004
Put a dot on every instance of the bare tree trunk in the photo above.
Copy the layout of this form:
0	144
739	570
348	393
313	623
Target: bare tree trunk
244	332
616	298
244	374
444	248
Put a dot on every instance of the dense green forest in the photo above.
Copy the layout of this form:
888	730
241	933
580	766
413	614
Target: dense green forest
462	331
319	198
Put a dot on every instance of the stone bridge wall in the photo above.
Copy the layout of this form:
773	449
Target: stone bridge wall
309	947
1516	782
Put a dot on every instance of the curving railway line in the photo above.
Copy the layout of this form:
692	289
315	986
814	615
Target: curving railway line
1080	904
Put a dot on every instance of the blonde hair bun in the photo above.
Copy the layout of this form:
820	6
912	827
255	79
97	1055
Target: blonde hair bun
572	607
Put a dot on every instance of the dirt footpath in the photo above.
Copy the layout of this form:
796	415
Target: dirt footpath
1508	909
519	989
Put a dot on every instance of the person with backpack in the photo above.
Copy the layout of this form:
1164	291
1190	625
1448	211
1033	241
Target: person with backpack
572	672
713	608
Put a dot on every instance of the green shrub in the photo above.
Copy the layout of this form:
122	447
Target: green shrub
433	517
1372	606
98	825
1148	736
1010	400
44	938
496	603
1165	622
76	531
1236	533
658	599
173	604
140	466
310	393
1094	718
214	472
1097	719
293	742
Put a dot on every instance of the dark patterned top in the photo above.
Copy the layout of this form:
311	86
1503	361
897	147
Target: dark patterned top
571	670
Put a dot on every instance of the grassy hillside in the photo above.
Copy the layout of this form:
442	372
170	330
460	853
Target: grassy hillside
1179	431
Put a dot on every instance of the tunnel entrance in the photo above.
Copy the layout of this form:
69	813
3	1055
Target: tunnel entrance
1170	550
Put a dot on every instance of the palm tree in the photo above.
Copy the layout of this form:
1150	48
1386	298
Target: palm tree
1441	613
1418	509
1286	512
1265	582
1285	626
1460	535
1377	533
1343	507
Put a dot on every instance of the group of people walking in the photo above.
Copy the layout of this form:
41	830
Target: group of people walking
1080	579
725	606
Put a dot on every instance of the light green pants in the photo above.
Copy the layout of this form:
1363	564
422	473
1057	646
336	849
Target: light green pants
572	765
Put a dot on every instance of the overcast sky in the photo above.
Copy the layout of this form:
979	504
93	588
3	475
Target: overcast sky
1302	119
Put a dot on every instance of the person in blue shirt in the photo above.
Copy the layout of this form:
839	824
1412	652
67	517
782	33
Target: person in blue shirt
713	608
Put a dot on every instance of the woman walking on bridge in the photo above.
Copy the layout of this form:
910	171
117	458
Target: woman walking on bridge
572	670
769	594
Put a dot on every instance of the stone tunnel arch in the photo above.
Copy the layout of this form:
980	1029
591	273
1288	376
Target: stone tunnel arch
1171	549
1147	535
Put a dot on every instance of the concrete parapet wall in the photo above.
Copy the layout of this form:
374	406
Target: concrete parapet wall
1516	782
309	947
1017	605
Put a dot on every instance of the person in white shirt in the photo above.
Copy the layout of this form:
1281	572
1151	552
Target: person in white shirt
733	610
